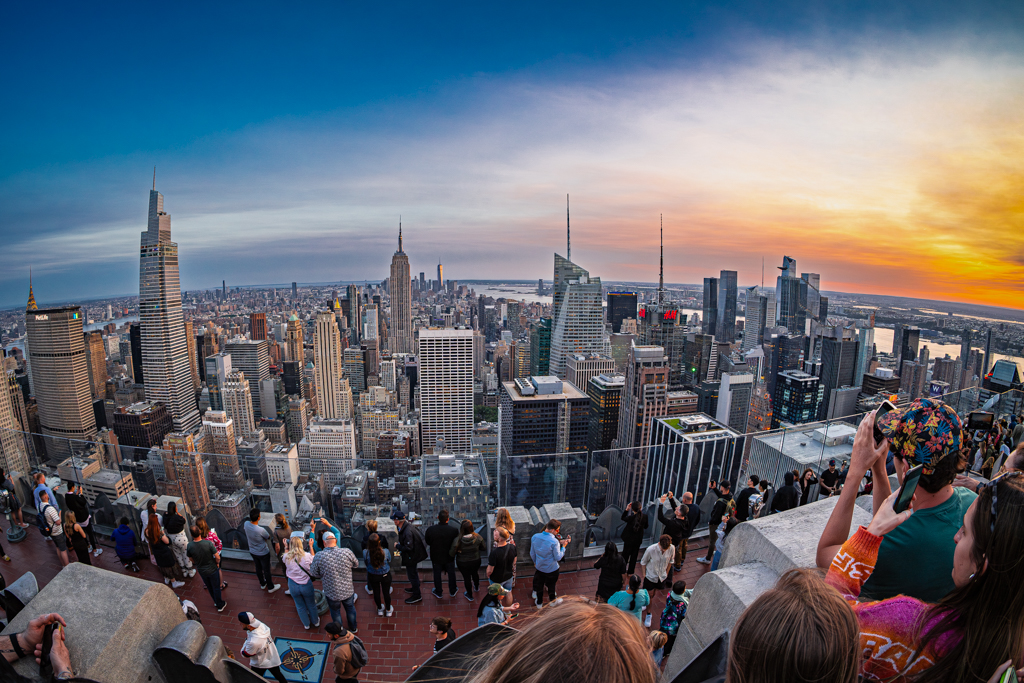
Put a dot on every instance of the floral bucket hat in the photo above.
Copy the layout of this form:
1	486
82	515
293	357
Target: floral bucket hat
924	432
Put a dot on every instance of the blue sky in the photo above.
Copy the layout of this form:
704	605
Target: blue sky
288	141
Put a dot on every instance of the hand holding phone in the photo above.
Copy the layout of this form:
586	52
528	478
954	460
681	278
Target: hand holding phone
882	410
909	488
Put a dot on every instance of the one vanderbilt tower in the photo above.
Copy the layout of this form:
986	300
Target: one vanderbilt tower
164	348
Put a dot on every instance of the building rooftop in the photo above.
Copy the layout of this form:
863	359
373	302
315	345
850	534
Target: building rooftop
568	392
698	427
607	381
811	446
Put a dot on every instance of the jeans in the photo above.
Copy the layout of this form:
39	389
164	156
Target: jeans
712	539
631	553
275	671
305	602
350	611
716	560
542	579
449	567
212	582
262	563
414	580
380	583
470	575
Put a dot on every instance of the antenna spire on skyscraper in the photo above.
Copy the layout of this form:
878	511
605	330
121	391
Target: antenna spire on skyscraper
661	266
31	296
399	233
154	177
568	239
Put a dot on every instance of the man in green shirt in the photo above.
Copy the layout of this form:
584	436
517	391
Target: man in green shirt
206	560
917	558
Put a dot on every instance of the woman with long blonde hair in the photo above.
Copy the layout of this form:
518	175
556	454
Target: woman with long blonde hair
503	520
77	539
300	583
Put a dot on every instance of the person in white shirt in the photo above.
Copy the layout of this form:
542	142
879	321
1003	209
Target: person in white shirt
656	562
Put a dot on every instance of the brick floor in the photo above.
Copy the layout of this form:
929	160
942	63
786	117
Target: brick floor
394	644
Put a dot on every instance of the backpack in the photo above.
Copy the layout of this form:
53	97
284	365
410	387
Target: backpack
672	616
359	656
44	525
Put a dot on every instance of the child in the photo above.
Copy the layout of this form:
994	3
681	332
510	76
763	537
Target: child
657	640
673	614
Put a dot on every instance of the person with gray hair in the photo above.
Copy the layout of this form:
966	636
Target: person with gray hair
334	565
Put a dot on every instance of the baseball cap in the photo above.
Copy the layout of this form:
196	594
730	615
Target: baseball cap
398	514
924	432
496	589
832	462
328	534
335	629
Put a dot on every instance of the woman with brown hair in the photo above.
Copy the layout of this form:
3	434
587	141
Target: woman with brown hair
467	550
572	640
161	546
970	632
208	534
378	572
77	539
799	631
807	480
282	532
371	529
503	520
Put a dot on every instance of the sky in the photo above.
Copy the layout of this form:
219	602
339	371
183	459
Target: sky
881	144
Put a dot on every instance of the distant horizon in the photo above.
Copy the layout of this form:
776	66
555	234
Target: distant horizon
668	285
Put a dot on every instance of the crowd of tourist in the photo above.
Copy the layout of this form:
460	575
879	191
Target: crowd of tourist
928	594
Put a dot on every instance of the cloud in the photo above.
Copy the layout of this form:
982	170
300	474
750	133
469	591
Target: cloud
886	169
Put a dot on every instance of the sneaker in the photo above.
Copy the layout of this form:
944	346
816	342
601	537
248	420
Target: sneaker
221	608
703	560
191	573
453	593
224	586
355	598
469	596
380	611
99	551
538	604
677	568
135	567
288	592
306	627
369	591
647	621
317	624
7	558
391	611
534	595
271	590
391	589
167	581
177	584
437	594
88	549
413	599
353	630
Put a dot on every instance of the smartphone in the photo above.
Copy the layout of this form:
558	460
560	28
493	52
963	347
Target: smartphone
882	410
908	489
980	419
1009	676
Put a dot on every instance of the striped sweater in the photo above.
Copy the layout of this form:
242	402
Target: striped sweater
887	627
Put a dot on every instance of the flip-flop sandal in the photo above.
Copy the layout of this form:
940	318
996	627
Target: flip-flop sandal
45	665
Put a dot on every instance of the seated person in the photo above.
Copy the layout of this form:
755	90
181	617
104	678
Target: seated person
917	558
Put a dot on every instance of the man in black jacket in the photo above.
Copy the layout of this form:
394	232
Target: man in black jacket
414	551
440	538
78	504
787	497
717	512
743	499
677	526
633	534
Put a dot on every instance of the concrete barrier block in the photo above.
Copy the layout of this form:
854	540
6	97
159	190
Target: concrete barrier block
115	623
785	540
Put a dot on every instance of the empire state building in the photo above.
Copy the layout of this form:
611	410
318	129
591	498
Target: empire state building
165	361
400	331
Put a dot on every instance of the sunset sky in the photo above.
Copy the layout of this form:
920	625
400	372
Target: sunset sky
880	144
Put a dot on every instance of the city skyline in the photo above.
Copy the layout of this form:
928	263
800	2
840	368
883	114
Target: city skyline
878	148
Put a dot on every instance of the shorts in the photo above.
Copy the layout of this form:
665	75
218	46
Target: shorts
652	585
507	585
60	540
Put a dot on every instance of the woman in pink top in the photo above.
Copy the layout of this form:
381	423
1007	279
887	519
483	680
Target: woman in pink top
300	583
210	535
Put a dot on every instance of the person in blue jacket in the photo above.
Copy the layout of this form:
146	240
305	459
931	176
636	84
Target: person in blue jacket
124	545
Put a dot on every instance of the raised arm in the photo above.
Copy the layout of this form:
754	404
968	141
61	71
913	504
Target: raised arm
863	458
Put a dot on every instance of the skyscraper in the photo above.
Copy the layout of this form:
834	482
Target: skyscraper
644	396
540	347
294	340
355	311
734	395
578	325
327	361
446	387
965	354
440	277
709	324
400	329
237	398
252	358
838	366
225	470
621	305
726	306
165	361
184	473
986	362
55	351
258	326
13	455
909	344
754	324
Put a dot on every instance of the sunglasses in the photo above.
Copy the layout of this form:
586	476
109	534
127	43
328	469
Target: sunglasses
995	498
